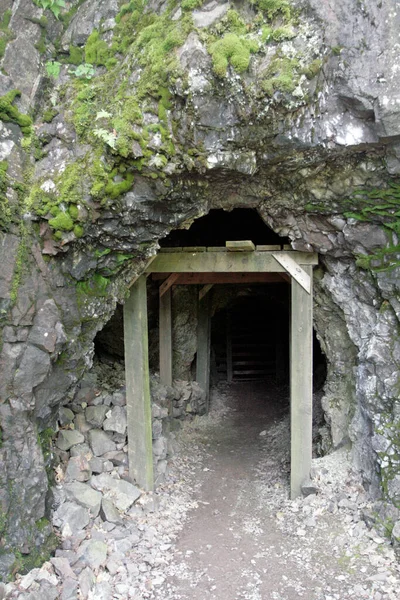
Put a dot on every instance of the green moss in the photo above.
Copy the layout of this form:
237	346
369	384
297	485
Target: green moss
20	264
9	113
62	222
96	50
26	562
49	115
235	23
232	50
281	34
76	55
73	211
5	209
78	231
115	189
313	69
41	45
282	75
191	4
84	108
97	286
274	8
5	19
6	34
71	182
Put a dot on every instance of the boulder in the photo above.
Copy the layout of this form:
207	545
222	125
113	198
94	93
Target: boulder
85	496
67	438
100	442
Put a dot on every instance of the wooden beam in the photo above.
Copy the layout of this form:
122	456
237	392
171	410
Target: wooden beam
229	362
140	451
294	269
222	278
204	290
203	345
164	287
228	278
300	385
274	247
224	262
240	246
136	277
165	337
285	277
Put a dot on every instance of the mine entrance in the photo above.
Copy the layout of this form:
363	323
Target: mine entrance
237	262
250	338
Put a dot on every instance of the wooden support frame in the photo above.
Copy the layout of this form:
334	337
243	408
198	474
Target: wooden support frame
140	449
203	345
300	385
227	262
165	336
207	266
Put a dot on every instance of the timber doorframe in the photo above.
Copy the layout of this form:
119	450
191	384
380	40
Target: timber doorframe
239	262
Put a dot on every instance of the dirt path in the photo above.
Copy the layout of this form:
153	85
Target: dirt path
246	540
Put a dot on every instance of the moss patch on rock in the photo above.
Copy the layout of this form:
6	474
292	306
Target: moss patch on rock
10	113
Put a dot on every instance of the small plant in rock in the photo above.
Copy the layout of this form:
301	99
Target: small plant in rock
53	68
54	6
109	137
84	71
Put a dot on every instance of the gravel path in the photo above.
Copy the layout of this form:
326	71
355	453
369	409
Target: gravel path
246	540
221	527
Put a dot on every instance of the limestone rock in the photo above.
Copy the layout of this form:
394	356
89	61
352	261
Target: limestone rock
85	496
122	493
116	421
73	515
62	567
108	512
93	553
95	415
100	442
68	438
78	469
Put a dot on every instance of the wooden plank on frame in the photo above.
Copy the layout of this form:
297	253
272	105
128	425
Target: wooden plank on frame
203	345
140	449
294	269
204	290
300	385
165	286
225	262
240	246
165	337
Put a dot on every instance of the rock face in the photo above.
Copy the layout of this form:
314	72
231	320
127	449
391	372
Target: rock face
145	121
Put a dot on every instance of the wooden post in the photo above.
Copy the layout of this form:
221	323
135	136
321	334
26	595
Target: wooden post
203	345
229	365
165	332
140	451
301	385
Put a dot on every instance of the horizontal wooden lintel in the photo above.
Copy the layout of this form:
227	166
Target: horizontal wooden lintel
227	262
221	278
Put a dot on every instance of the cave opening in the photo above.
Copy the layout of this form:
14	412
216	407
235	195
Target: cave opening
248	312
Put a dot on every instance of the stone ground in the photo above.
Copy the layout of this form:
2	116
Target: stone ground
221	526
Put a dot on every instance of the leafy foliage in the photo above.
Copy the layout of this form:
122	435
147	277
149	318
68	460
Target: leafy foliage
84	71
53	68
54	6
109	137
